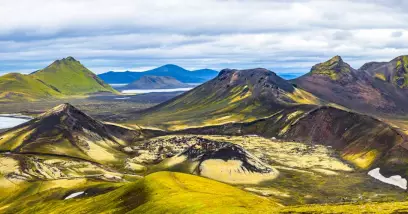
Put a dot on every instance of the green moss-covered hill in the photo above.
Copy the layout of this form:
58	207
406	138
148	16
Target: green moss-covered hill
65	77
64	130
20	87
162	192
169	192
234	95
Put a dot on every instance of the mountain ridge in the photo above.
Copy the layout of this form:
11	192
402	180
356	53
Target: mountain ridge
175	71
337	82
234	95
65	130
156	82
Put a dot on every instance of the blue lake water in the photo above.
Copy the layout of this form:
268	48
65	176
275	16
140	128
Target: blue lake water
144	91
11	121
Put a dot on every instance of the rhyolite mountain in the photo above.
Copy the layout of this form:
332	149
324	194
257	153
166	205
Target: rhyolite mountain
156	82
62	78
234	95
336	81
177	72
394	72
65	130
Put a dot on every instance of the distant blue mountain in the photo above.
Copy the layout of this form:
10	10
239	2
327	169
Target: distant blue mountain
289	76
177	72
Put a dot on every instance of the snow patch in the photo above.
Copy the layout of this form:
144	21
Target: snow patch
73	195
395	180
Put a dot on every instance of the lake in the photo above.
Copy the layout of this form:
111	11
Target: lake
144	91
9	121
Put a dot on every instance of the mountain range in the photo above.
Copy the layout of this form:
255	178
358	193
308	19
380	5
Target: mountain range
316	139
156	82
62	78
177	72
372	88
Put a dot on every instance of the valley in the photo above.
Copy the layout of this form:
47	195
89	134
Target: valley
257	142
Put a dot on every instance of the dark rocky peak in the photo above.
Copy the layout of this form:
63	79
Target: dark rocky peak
206	149
258	78
371	65
335	69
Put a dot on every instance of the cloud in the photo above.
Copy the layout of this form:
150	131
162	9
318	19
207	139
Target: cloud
396	34
286	36
342	35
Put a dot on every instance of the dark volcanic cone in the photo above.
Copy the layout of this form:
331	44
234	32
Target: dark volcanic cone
65	130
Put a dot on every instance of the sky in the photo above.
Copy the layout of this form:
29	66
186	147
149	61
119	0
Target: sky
283	36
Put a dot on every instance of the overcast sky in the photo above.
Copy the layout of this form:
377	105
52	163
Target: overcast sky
284	36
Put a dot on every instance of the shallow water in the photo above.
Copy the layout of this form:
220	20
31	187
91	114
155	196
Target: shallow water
144	91
11	121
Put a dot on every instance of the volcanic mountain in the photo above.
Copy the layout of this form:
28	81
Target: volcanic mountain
70	77
65	77
20	87
66	131
337	82
361	140
234	95
394	72
220	161
156	82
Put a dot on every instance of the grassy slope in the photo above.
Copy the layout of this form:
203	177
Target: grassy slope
166	192
72	78
66	77
162	192
17	86
393	207
212	105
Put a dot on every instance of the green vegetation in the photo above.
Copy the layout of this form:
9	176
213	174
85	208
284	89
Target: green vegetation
70	77
66	77
391	207
334	68
162	192
380	76
20	87
245	96
401	76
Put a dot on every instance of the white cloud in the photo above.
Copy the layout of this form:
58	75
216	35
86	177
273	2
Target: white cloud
285	36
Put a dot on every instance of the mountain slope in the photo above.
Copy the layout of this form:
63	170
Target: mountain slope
64	130
222	161
337	82
162	192
20	87
361	140
156	82
70	77
394	72
234	95
174	71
